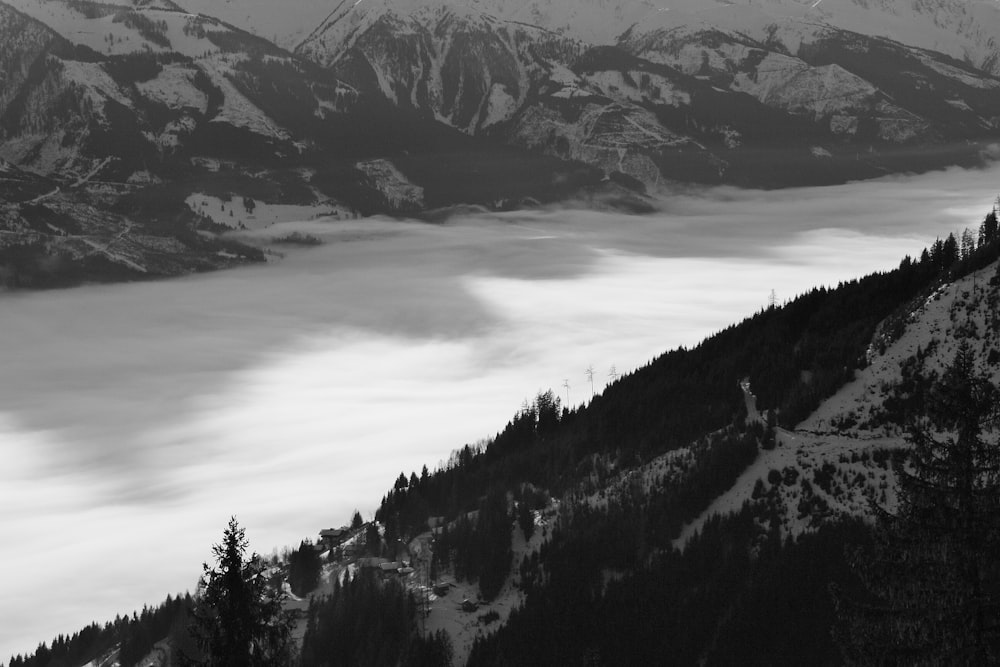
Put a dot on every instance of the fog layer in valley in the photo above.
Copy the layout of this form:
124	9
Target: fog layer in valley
137	418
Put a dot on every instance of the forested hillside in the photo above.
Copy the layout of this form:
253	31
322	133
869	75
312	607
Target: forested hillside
583	536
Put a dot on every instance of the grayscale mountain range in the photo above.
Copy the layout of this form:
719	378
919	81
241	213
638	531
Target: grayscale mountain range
502	188
158	114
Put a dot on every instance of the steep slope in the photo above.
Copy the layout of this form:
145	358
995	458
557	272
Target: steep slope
148	97
843	446
697	506
285	23
660	93
767	95
966	31
684	524
146	111
401	106
158	75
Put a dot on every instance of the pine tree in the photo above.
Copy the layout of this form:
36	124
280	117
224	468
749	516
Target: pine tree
304	569
988	229
933	575
238	622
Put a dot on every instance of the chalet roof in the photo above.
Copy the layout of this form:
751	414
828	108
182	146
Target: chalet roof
332	532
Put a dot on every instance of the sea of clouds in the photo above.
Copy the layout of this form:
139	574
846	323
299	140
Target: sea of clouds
135	419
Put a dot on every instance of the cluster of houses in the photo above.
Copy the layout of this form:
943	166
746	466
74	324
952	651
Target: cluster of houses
343	539
385	566
339	538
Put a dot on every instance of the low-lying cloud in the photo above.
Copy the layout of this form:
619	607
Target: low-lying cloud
136	418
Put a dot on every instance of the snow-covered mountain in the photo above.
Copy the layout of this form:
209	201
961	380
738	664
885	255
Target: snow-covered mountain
284	23
966	30
122	110
182	125
491	102
768	93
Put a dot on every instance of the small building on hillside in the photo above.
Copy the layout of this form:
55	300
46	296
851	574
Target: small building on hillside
390	568
332	537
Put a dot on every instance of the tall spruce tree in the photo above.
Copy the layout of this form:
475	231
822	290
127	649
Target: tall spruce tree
238	620
304	569
933	575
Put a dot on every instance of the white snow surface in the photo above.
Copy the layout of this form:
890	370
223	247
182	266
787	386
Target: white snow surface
789	83
936	325
96	82
284	23
173	87
79	29
964	29
111	36
237	110
235	212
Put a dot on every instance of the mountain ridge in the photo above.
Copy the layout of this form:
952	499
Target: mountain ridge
403	107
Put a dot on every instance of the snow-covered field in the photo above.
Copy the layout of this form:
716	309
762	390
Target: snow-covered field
238	212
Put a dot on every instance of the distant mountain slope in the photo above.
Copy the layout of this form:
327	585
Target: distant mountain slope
965	30
118	120
709	92
401	106
284	23
143	108
766	94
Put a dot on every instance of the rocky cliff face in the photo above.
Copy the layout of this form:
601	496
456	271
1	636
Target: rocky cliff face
696	91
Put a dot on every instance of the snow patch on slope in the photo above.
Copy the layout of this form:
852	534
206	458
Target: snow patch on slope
964	309
239	212
237	110
173	87
102	34
97	83
789	83
799	500
966	30
841	449
285	25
